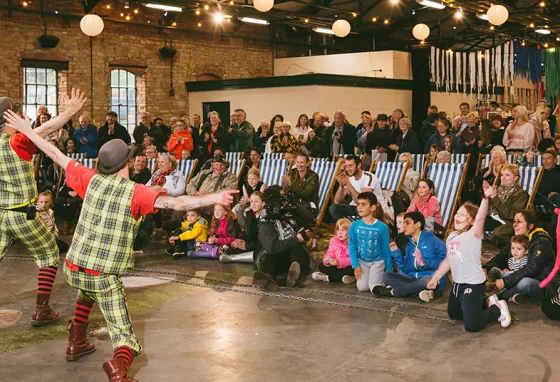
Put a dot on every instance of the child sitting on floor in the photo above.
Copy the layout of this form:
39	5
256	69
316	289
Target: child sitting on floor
224	231
252	184
518	259
336	265
46	213
426	202
194	228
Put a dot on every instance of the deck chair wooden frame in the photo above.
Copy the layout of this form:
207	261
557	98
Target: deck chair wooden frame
324	205
191	172
533	193
240	170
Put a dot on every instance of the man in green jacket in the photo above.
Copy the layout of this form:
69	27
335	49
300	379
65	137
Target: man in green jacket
241	133
304	183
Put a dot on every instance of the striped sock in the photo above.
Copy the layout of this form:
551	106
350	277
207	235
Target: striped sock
46	280
126	354
82	312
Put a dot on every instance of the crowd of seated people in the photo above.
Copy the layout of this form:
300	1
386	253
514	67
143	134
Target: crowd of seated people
382	253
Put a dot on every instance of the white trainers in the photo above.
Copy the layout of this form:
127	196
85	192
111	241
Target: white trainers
505	317
319	276
426	295
493	300
348	279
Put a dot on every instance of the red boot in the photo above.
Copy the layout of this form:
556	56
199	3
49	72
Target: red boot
43	314
116	372
78	346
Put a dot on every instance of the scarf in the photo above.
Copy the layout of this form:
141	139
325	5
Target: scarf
554	271
159	178
504	193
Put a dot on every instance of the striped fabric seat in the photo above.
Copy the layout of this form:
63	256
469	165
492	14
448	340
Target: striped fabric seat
459	158
511	158
151	164
272	171
528	177
89	162
447	180
390	174
186	167
419	160
230	157
272	156
236	166
327	172
76	156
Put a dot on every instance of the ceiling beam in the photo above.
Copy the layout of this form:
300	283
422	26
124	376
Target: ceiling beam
89	5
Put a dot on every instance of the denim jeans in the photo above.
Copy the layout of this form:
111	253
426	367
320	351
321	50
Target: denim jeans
405	285
526	287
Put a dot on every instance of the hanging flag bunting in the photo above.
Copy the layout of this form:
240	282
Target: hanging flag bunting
464	54
458	76
498	66
486	59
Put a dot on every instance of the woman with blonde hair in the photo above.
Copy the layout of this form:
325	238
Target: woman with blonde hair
412	177
539	120
505	201
520	134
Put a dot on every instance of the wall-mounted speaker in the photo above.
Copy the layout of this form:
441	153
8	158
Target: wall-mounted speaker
166	52
48	41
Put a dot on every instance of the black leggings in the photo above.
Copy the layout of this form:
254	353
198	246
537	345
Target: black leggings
467	303
336	274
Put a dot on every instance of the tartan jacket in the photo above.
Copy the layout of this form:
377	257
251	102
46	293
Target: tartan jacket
106	229
17	183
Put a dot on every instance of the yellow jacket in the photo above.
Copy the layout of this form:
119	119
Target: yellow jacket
197	231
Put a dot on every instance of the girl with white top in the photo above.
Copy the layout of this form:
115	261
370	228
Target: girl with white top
520	133
464	247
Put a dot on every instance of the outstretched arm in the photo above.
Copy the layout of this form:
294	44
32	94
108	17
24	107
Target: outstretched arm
24	126
185	202
478	226
73	105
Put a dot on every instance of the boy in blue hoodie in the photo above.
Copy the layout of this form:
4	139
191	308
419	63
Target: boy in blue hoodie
424	253
368	244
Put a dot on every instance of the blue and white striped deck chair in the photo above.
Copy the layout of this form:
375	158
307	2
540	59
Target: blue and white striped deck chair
274	156
89	162
327	172
511	158
529	179
236	166
272	171
76	156
230	157
152	164
186	167
391	174
459	158
448	179
419	160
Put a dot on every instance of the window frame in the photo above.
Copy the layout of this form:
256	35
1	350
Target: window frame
131	121
53	107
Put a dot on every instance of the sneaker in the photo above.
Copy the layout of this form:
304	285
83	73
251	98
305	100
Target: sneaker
319	276
505	317
426	295
381	290
293	274
493	300
171	250
518	299
348	279
178	254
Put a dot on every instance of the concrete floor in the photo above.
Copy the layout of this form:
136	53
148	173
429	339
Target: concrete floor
198	334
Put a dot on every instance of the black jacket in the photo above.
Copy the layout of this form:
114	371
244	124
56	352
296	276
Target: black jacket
381	138
139	132
221	138
409	144
120	133
160	138
348	140
142	177
251	235
550	181
315	147
270	240
260	143
540	260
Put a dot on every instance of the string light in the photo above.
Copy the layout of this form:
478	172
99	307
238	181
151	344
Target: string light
374	19
532	25
546	44
306	20
206	6
231	2
199	25
449	51
136	11
173	24
122	14
522	43
542	4
386	22
108	6
394	2
25	4
492	27
127	17
459	14
197	12
354	14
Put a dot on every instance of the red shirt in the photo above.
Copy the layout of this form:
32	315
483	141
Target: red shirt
23	146
78	177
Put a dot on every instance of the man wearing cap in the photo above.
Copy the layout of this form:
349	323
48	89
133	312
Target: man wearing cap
380	139
112	130
102	247
18	193
212	180
143	129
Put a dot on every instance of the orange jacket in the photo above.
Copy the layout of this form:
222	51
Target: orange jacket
175	146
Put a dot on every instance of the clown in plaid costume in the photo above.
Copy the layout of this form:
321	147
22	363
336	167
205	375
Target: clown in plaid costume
18	193
102	247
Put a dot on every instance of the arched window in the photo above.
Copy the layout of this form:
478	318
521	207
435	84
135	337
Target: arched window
123	97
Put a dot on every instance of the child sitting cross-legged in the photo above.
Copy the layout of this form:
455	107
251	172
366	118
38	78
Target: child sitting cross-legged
336	265
194	228
224	231
424	254
518	259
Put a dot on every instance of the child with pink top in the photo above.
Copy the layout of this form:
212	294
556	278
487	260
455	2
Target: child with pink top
223	232
336	265
427	204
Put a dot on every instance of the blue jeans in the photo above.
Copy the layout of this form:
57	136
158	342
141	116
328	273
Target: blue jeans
339	211
525	287
186	245
404	285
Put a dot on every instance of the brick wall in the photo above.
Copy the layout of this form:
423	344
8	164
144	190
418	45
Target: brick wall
125	45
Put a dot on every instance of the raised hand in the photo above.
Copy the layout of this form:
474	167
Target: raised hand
15	121
76	101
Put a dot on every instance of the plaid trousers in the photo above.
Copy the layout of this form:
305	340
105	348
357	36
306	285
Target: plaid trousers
33	234
108	292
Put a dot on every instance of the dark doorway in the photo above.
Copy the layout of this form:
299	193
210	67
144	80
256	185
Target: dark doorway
221	107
